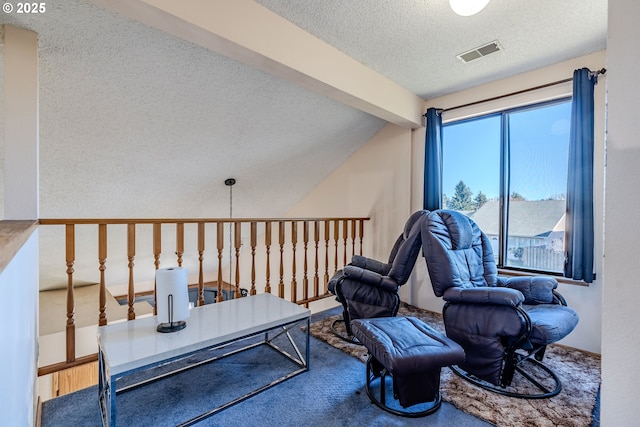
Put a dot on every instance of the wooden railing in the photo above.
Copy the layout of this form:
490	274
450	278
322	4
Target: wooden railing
308	251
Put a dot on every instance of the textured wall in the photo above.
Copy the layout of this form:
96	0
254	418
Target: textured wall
1	122
620	343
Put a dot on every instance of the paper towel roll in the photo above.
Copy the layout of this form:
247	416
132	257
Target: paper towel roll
172	281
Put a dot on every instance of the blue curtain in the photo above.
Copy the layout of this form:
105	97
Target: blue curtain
433	161
579	219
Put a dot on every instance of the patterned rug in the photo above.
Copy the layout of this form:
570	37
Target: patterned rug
573	407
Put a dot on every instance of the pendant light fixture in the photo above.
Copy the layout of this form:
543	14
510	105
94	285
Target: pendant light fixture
229	182
467	7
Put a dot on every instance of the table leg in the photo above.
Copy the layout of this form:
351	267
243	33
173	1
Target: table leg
107	401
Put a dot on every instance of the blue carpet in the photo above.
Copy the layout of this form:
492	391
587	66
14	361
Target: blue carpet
331	393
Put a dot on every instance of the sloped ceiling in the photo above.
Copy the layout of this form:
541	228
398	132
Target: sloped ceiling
135	122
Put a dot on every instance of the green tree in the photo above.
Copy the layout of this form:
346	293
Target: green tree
462	199
516	196
480	199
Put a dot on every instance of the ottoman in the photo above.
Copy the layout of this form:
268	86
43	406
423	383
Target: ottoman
412	353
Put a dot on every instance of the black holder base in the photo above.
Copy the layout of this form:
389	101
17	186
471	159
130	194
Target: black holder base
171	327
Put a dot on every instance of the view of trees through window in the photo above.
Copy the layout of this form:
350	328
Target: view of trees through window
522	153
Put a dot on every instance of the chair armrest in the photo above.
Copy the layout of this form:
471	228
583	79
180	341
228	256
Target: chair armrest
370	264
370	278
536	289
484	295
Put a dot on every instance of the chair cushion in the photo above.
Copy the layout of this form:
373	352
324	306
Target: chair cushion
457	252
550	322
412	352
406	345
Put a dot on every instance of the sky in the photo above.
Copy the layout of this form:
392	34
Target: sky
539	140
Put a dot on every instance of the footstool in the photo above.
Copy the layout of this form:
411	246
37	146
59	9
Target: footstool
413	353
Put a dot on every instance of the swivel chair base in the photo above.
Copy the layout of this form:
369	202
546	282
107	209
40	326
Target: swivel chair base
429	407
532	388
341	331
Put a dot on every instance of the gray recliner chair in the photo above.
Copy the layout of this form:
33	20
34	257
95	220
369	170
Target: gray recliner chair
503	324
369	288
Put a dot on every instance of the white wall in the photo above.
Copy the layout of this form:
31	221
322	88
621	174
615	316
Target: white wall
586	300
620	343
373	182
20	120
19	307
2	123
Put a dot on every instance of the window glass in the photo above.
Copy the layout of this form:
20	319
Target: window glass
534	142
538	158
471	172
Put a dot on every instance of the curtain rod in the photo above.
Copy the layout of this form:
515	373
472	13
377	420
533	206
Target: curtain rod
591	74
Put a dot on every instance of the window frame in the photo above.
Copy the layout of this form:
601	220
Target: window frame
504	185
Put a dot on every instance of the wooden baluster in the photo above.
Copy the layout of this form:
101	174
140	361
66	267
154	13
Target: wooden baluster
201	241
305	280
336	239
267	243
131	253
327	235
237	244
361	233
254	232
316	277
294	242
345	230
220	234
157	250
353	237
102	259
179	242
281	239
70	242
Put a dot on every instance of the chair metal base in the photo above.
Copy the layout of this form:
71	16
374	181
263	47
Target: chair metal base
545	392
342	332
381	402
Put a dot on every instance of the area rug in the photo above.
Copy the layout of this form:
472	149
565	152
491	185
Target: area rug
573	407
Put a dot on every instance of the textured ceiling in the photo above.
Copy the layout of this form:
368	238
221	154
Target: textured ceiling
415	42
135	122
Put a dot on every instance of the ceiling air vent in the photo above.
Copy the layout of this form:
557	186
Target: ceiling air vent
480	51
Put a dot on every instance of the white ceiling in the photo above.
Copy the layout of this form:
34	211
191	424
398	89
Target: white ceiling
415	42
138	123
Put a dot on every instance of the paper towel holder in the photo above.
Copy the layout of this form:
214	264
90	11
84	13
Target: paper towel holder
172	325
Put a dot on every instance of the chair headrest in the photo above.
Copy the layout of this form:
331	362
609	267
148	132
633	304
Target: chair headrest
460	228
411	222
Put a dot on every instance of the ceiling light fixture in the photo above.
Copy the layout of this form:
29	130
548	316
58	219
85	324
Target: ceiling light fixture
467	7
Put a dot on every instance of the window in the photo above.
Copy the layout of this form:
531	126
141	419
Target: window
508	172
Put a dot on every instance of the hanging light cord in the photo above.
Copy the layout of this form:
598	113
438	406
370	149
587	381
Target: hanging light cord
230	182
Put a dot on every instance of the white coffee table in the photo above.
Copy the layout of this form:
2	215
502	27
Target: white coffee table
128	347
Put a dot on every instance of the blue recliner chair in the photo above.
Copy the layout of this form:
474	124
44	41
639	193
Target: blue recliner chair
503	324
369	288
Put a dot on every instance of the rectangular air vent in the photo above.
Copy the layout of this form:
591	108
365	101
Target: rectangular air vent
480	51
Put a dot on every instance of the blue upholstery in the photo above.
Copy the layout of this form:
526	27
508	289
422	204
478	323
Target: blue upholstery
368	288
412	351
489	316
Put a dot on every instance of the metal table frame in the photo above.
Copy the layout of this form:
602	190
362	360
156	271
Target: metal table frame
276	319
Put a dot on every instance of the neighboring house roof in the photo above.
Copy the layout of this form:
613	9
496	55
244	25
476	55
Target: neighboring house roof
526	219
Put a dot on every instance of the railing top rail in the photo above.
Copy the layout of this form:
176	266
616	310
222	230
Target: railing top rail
64	221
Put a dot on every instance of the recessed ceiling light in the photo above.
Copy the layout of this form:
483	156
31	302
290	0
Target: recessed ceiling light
467	7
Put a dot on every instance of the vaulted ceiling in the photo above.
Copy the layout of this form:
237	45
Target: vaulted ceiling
138	122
